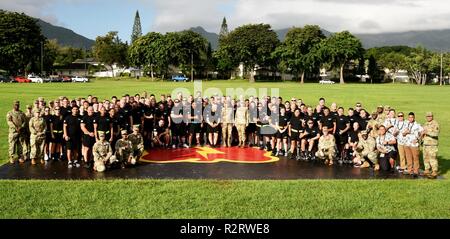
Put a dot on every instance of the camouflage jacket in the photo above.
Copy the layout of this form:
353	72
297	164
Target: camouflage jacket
15	119
242	115
432	133
327	142
137	142
124	147
37	126
366	146
102	150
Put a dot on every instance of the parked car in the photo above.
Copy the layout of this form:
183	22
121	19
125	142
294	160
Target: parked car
179	77
79	79
66	79
326	82
21	79
5	79
35	79
56	79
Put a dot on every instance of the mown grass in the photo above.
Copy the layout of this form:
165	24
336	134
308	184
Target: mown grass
235	199
225	199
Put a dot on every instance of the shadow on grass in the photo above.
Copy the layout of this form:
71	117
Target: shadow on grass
444	165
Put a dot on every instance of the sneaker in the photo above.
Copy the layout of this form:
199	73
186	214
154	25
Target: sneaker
365	164
77	164
357	165
340	161
46	158
87	165
185	146
286	154
174	146
69	165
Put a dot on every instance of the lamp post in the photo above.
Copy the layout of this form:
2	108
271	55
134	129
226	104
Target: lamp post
42	58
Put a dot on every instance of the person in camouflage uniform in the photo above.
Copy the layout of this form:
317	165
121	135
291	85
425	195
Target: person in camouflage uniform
103	154
137	143
372	125
241	120
430	136
227	123
327	147
366	151
37	126
124	149
25	140
16	121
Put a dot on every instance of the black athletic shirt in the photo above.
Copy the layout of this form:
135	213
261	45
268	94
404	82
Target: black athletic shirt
327	121
341	122
104	123
313	132
284	120
89	122
296	123
73	126
58	123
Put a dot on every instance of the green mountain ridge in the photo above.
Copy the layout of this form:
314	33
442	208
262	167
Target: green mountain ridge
64	36
435	40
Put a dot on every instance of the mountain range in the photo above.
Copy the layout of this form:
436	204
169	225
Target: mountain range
64	36
435	40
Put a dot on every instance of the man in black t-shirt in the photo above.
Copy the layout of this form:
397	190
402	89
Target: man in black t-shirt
72	135
309	139
88	125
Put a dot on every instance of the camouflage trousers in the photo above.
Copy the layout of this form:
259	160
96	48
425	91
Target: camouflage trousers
37	147
15	149
326	154
226	134
430	158
372	156
241	132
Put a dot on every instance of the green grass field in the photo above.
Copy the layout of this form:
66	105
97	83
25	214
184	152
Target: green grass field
235	199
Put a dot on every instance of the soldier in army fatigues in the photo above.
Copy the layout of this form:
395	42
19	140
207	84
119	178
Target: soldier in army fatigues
16	123
430	136
326	149
241	122
227	123
124	149
366	151
25	140
137	143
103	153
38	127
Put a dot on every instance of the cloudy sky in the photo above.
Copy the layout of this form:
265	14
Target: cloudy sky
96	17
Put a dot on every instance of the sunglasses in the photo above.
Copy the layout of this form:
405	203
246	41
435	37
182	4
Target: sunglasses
400	116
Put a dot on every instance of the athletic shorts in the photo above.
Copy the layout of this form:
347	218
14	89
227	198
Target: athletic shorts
88	141
194	128
212	130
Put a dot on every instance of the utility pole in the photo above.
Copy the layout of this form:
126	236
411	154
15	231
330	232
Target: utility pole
192	66
441	80
85	63
42	58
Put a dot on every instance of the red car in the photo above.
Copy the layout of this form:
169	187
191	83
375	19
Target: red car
21	79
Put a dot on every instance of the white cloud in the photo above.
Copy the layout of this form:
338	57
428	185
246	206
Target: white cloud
358	16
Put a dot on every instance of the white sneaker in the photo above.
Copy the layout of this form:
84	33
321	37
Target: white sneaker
185	146
77	164
174	146
69	165
46	157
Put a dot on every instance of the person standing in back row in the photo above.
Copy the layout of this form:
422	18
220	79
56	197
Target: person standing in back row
430	136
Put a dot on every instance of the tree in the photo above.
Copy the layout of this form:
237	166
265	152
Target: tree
186	49
340	48
393	61
251	45
419	64
137	28
110	50
20	41
299	50
149	51
372	69
223	29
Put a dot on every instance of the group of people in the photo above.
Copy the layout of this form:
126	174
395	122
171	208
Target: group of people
116	131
